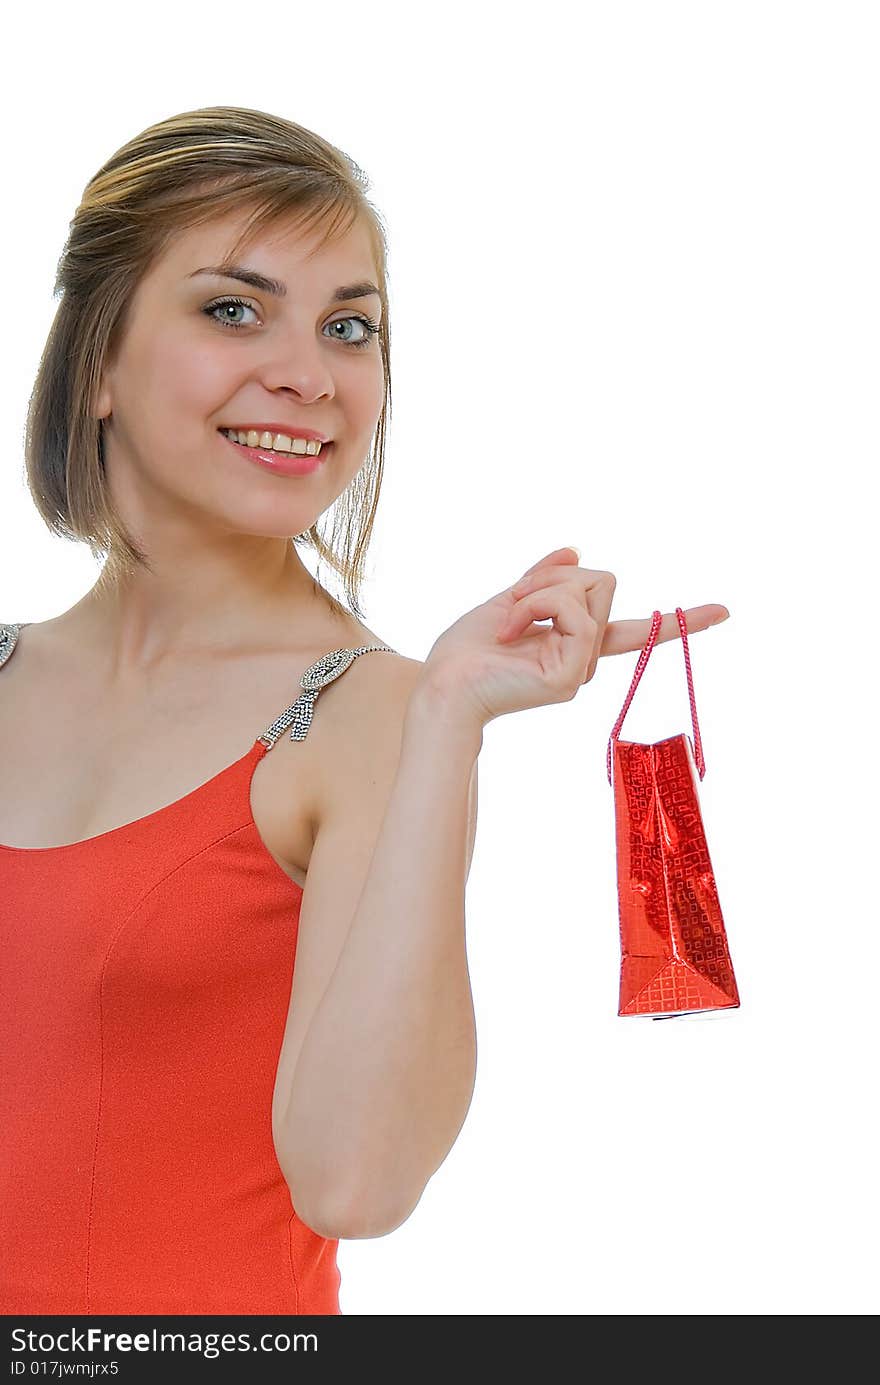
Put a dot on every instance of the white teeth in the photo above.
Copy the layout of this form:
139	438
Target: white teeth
275	442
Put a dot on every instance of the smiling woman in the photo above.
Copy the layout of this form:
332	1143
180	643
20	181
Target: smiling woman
203	187
193	438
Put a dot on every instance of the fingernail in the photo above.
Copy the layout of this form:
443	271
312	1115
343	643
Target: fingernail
576	550
718	619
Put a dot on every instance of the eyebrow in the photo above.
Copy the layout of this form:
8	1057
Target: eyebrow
363	289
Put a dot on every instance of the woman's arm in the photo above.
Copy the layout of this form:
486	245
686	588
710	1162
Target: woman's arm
385	1073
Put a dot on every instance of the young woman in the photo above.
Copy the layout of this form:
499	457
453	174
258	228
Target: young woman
212	769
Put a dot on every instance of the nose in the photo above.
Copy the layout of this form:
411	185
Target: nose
298	362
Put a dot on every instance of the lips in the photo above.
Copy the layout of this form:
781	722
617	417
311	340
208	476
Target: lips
281	463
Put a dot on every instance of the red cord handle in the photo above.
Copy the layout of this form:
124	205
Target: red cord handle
656	621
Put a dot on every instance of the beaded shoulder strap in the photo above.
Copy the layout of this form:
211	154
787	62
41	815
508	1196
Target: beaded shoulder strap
8	641
315	678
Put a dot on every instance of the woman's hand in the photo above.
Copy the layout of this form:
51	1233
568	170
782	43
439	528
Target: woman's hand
495	660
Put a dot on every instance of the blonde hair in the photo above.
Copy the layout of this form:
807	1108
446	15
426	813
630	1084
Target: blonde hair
182	172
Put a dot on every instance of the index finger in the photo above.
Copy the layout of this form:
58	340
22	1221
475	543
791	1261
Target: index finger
627	636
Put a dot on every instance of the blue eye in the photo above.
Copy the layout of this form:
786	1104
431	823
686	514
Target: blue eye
370	327
211	308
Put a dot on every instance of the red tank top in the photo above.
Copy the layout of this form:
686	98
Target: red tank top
145	978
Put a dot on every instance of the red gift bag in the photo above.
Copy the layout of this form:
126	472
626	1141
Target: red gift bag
674	958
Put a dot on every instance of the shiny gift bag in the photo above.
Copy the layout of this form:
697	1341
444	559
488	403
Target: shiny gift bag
674	958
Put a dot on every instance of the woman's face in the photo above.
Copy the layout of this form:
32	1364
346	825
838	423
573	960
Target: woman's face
181	373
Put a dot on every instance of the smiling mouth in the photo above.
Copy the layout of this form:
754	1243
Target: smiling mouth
281	463
299	451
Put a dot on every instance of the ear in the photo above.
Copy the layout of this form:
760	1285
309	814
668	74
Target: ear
103	403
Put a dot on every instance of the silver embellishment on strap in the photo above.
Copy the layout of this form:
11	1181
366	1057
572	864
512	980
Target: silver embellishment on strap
8	641
316	677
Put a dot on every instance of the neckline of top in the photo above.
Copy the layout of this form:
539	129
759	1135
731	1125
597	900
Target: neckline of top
257	751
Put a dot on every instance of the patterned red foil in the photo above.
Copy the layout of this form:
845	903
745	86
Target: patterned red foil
674	957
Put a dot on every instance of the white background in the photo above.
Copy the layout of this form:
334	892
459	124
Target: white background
634	307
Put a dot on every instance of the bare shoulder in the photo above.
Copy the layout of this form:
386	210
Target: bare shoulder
359	754
352	790
364	717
